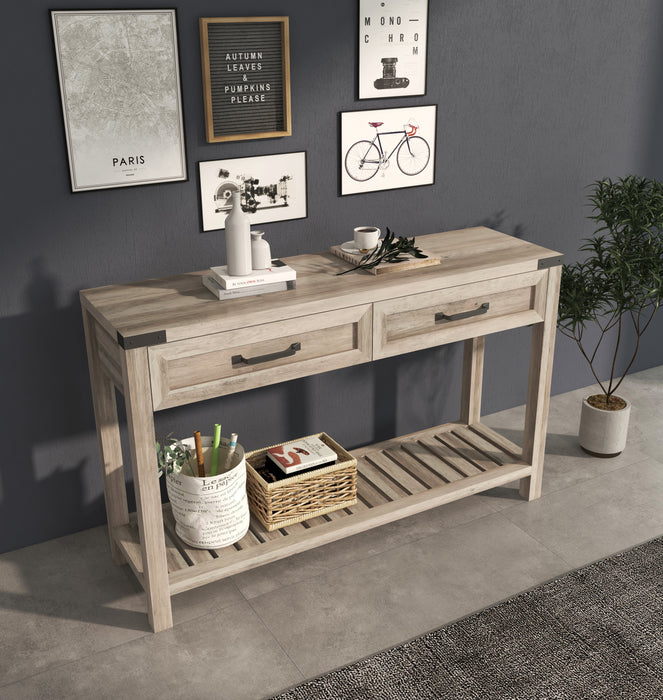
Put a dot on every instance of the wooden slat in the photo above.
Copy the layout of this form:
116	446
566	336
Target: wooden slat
294	529
378	480
481	444
467	452
314	522
192	554
493	437
432	458
128	542
428	476
368	494
442	444
261	532
173	556
247	542
402	477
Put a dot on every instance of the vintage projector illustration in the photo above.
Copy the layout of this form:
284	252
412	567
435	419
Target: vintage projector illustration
253	195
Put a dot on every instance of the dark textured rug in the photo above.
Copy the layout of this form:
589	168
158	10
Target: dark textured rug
593	633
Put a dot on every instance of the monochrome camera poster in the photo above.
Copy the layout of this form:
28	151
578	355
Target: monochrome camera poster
392	48
121	97
272	188
386	149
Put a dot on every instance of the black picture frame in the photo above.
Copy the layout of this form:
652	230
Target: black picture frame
393	48
387	148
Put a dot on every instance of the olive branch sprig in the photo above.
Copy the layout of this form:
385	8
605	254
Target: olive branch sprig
391	250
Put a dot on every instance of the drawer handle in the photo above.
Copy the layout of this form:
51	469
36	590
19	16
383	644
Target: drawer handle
441	317
288	352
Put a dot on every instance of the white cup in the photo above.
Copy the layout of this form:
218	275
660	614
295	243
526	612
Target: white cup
366	237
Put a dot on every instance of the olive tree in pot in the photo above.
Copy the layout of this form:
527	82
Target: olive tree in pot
615	290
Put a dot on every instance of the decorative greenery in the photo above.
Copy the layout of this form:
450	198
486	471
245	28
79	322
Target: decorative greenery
619	283
172	455
392	250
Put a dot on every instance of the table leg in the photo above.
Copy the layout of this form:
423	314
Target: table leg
108	435
538	390
470	402
138	398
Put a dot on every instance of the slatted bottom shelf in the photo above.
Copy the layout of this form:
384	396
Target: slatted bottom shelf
395	479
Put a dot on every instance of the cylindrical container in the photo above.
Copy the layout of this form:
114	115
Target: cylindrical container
261	254
603	433
238	239
211	511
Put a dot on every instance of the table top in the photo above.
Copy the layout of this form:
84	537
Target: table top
179	307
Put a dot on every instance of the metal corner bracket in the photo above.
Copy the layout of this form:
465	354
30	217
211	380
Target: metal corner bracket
130	342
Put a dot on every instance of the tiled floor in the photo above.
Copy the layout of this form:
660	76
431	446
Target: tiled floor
72	624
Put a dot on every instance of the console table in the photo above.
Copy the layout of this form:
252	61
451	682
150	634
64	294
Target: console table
167	342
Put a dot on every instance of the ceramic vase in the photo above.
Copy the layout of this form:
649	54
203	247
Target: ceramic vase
261	255
238	239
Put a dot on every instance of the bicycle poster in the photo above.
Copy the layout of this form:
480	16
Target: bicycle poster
392	48
387	149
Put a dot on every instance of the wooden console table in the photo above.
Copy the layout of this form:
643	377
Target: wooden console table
168	342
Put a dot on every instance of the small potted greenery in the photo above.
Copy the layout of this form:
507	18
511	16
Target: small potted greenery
608	300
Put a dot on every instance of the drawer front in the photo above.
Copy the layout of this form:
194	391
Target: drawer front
435	318
225	363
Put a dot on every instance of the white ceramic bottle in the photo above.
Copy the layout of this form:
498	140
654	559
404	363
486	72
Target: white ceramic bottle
261	254
238	239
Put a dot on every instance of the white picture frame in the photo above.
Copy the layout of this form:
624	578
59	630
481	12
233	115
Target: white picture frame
387	148
121	97
393	47
273	188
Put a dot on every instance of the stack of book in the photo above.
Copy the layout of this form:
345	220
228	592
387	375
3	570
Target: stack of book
277	278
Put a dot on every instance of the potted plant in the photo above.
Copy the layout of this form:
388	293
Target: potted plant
615	290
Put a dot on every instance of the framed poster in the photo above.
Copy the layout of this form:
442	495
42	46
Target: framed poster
273	188
392	48
121	97
246	77
386	149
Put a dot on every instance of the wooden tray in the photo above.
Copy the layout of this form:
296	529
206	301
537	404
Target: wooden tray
354	259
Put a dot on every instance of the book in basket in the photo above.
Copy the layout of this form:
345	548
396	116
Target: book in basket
220	293
278	272
293	457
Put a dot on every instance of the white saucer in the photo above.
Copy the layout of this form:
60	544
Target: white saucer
349	247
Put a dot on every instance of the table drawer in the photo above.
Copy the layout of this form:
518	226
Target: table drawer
224	363
435	318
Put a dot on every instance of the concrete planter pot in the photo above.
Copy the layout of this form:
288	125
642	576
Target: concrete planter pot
603	433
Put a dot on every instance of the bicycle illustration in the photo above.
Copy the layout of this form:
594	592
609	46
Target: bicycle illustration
364	158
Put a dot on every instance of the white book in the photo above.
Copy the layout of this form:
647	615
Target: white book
220	293
278	272
293	457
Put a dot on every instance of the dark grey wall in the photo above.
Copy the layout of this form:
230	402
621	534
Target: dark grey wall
536	99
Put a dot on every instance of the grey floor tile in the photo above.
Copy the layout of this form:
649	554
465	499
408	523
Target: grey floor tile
359	609
353	549
597	517
229	655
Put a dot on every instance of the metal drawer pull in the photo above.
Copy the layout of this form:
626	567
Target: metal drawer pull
441	317
288	352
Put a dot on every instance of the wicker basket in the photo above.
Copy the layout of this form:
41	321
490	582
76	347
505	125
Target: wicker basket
301	496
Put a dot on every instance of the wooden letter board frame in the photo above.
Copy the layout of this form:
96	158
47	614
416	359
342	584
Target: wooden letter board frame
252	54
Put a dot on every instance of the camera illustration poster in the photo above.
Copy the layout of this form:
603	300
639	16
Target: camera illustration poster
120	89
392	48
